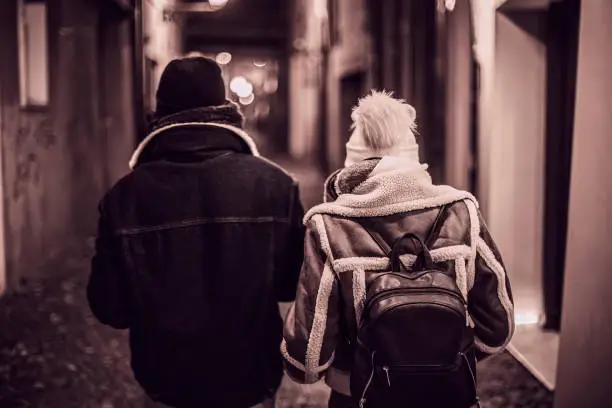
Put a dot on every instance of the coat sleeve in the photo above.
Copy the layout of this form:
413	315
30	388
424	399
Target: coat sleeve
490	301
290	250
311	330
107	289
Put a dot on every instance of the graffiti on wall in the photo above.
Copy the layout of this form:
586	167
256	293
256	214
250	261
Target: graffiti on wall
33	134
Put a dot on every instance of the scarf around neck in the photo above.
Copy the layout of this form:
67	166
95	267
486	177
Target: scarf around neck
226	116
383	186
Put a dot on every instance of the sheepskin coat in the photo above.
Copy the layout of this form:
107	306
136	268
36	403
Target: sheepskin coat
341	259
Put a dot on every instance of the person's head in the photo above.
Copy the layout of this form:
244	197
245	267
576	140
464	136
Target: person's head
382	126
189	83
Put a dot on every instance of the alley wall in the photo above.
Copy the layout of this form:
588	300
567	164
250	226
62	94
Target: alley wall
331	46
585	353
58	159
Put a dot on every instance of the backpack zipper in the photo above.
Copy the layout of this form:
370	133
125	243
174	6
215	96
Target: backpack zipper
386	370
465	358
362	401
422	367
461	355
390	292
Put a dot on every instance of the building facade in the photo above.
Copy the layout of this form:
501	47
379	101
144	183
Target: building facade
541	124
67	123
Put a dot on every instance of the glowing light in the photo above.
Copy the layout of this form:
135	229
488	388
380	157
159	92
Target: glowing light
526	318
247	100
262	109
223	58
217	4
271	85
320	9
259	64
241	86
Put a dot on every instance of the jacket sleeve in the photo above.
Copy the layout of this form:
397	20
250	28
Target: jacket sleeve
290	250
107	289
312	324
490	301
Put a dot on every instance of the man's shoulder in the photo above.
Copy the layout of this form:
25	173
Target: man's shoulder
116	193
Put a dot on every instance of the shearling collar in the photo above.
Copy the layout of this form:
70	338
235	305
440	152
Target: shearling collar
359	191
226	117
227	114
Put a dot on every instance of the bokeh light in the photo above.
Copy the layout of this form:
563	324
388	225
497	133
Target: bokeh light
223	58
217	4
241	86
271	85
247	100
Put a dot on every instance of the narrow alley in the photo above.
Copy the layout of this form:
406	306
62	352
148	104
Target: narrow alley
513	102
53	353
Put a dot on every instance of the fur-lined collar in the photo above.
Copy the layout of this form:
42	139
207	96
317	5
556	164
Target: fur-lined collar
359	191
227	114
226	117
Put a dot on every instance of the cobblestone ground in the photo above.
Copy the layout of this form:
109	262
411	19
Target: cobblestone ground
53	354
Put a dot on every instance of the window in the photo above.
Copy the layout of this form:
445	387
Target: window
33	53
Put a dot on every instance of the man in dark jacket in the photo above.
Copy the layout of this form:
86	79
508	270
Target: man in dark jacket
195	248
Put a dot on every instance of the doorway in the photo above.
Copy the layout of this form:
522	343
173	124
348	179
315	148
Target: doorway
562	58
460	99
2	252
351	89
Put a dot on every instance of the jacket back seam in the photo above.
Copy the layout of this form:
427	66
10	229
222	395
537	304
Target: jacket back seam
199	221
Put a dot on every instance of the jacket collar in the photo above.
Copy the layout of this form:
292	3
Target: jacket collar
379	187
242	136
211	120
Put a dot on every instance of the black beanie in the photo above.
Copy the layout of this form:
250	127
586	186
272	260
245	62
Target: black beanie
189	83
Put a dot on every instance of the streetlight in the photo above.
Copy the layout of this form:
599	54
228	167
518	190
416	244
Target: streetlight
247	100
195	6
217	4
241	86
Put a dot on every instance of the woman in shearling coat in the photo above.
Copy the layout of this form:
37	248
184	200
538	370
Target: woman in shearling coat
383	178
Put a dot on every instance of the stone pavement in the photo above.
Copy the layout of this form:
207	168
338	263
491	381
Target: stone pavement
54	354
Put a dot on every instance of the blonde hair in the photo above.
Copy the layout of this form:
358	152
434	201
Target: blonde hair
382	120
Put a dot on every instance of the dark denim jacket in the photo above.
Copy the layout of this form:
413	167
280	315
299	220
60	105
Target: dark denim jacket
195	248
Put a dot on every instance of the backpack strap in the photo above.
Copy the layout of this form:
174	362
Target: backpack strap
426	260
376	236
435	225
386	248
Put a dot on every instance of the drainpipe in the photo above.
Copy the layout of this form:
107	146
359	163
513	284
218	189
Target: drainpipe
138	72
323	110
323	89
